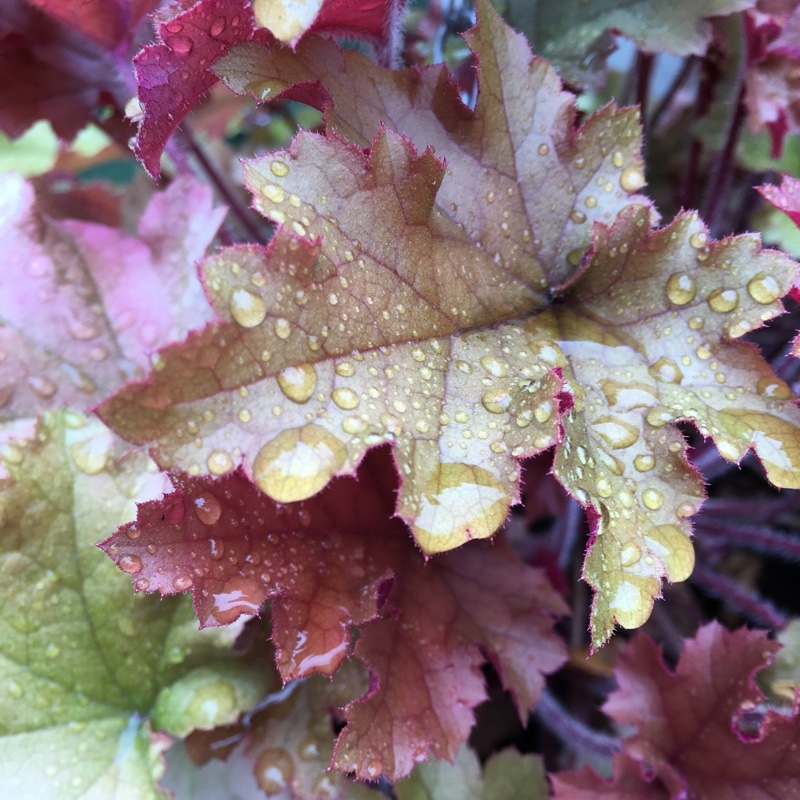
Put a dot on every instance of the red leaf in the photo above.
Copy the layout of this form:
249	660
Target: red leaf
339	560
628	783
687	719
174	74
51	71
786	198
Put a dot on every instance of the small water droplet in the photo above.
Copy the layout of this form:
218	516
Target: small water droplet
52	651
618	159
631	179
217	26
207	508
182	583
494	367
219	462
644	463
544	150
345	398
630	554
181	45
282	328
345	369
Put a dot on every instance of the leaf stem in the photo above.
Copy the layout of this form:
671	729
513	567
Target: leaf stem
644	69
234	202
754	537
677	84
750	604
573	733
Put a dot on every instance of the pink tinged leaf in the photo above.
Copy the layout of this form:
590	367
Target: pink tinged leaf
341	560
687	721
175	73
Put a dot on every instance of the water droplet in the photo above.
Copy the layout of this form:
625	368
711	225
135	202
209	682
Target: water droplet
698	240
630	554
617	433
723	300
417	354
465	367
309	749
298	463
219	462
352	425
282	328
603	488
578	217
279	169
274	770
665	370
43	387
130	564
658	417
653	499
544	412
298	383
180	45
182	583
91	455
644	463
345	369
345	398
460	502
244	415
52	651
681	288
764	289
618	159
544	150
207	508
421	426
494	367
631	179
774	387
217	26
247	309
461	416
15	689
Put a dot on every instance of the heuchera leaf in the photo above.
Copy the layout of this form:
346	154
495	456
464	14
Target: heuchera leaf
83	661
82	304
577	36
507	775
441	307
786	198
687	721
53	71
341	560
628	783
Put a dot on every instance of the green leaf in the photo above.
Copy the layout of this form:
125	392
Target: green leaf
83	661
506	776
577	36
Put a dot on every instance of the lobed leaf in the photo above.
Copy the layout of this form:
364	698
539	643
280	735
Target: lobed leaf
341	560
687	721
83	662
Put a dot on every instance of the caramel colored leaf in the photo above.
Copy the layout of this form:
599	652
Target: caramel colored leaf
340	562
645	340
84	662
376	315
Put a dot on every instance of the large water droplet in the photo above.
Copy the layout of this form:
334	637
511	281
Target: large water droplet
181	45
681	288
91	455
496	401
618	433
764	289
666	371
644	463
130	564
653	499
279	169
495	367
723	301
219	462
345	398
630	554
247	308
297	463
239	595
460	502
298	383
631	179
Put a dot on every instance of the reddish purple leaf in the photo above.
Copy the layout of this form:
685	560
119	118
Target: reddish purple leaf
341	560
628	783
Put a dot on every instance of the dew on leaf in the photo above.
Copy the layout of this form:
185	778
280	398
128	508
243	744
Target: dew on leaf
247	308
219	462
345	398
763	288
630	554
130	564
773	387
681	288
665	370
282	328
345	369
460	501
618	433
631	179
298	463
274	770
207	508
182	583
279	169
653	499
91	455
723	301
496	401
352	425
43	387
644	463
52	651
298	383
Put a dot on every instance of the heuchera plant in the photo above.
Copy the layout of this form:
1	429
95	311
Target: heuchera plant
346	443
